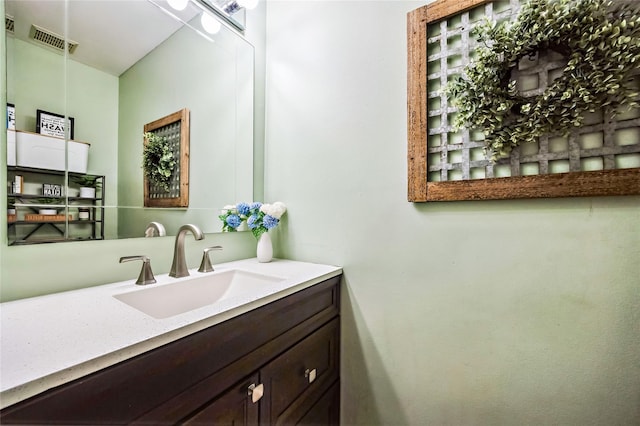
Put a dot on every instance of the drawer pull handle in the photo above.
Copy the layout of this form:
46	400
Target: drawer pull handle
310	374
256	392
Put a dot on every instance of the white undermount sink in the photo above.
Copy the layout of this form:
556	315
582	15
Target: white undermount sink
166	300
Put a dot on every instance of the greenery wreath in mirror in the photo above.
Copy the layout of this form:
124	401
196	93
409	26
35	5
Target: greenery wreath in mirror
600	40
158	160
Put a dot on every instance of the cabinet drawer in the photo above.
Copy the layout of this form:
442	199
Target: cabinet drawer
309	366
234	407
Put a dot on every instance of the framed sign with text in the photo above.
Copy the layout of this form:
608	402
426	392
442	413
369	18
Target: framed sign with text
51	124
51	190
11	117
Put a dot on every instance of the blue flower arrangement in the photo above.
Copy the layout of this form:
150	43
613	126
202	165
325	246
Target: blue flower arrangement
260	217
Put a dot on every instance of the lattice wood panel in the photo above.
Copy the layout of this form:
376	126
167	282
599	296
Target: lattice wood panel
441	160
172	133
174	127
601	145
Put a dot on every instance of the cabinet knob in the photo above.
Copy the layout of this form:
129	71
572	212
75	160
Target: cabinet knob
310	374
256	392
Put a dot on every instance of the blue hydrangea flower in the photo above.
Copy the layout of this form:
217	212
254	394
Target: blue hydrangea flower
255	206
233	220
243	208
269	221
251	222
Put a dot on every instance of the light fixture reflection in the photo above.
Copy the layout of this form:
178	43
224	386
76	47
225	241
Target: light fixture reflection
222	9
178	4
209	23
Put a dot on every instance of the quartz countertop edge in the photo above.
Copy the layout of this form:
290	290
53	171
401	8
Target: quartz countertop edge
54	339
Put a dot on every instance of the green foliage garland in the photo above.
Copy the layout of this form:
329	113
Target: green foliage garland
601	40
158	160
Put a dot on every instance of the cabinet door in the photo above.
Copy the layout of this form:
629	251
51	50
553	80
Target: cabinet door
299	377
326	411
234	408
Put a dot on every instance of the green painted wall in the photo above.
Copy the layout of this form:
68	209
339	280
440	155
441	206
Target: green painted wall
487	313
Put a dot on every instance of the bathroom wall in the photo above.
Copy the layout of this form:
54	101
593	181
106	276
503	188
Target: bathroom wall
487	313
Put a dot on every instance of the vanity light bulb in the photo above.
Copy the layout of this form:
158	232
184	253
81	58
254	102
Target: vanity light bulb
209	23
178	4
248	4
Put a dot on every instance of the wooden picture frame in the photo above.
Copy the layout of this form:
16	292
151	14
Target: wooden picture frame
419	189
52	124
174	125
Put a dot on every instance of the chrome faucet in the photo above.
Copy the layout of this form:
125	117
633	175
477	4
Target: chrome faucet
154	228
179	265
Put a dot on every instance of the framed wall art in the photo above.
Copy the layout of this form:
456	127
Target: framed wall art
52	124
51	190
11	117
599	155
166	161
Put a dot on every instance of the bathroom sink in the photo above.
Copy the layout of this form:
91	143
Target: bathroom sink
167	300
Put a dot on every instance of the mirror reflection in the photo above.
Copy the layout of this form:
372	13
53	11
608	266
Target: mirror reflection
140	61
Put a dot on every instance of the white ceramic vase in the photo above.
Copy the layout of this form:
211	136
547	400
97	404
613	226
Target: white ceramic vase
264	250
86	192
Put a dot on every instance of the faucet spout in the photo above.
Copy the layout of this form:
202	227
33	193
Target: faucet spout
154	228
179	265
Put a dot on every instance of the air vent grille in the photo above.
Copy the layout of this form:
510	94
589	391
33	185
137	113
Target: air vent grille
51	39
9	23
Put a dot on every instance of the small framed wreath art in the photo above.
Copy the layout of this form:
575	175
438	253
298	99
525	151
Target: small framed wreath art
165	161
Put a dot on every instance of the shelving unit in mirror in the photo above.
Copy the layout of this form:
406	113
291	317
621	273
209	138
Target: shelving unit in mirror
45	206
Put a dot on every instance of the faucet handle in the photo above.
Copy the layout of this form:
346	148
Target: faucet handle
205	265
146	274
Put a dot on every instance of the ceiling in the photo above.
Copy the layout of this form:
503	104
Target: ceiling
112	35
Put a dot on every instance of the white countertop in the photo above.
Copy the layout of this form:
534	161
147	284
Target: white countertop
50	340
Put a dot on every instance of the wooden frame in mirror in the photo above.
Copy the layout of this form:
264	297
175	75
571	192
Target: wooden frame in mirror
173	132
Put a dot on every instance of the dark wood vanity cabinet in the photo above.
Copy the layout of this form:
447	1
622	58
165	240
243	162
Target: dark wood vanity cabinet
275	365
291	386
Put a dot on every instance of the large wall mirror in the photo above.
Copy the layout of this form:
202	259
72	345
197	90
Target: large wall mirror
135	61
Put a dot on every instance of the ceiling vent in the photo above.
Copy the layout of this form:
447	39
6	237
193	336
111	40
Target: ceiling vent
9	23
51	39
